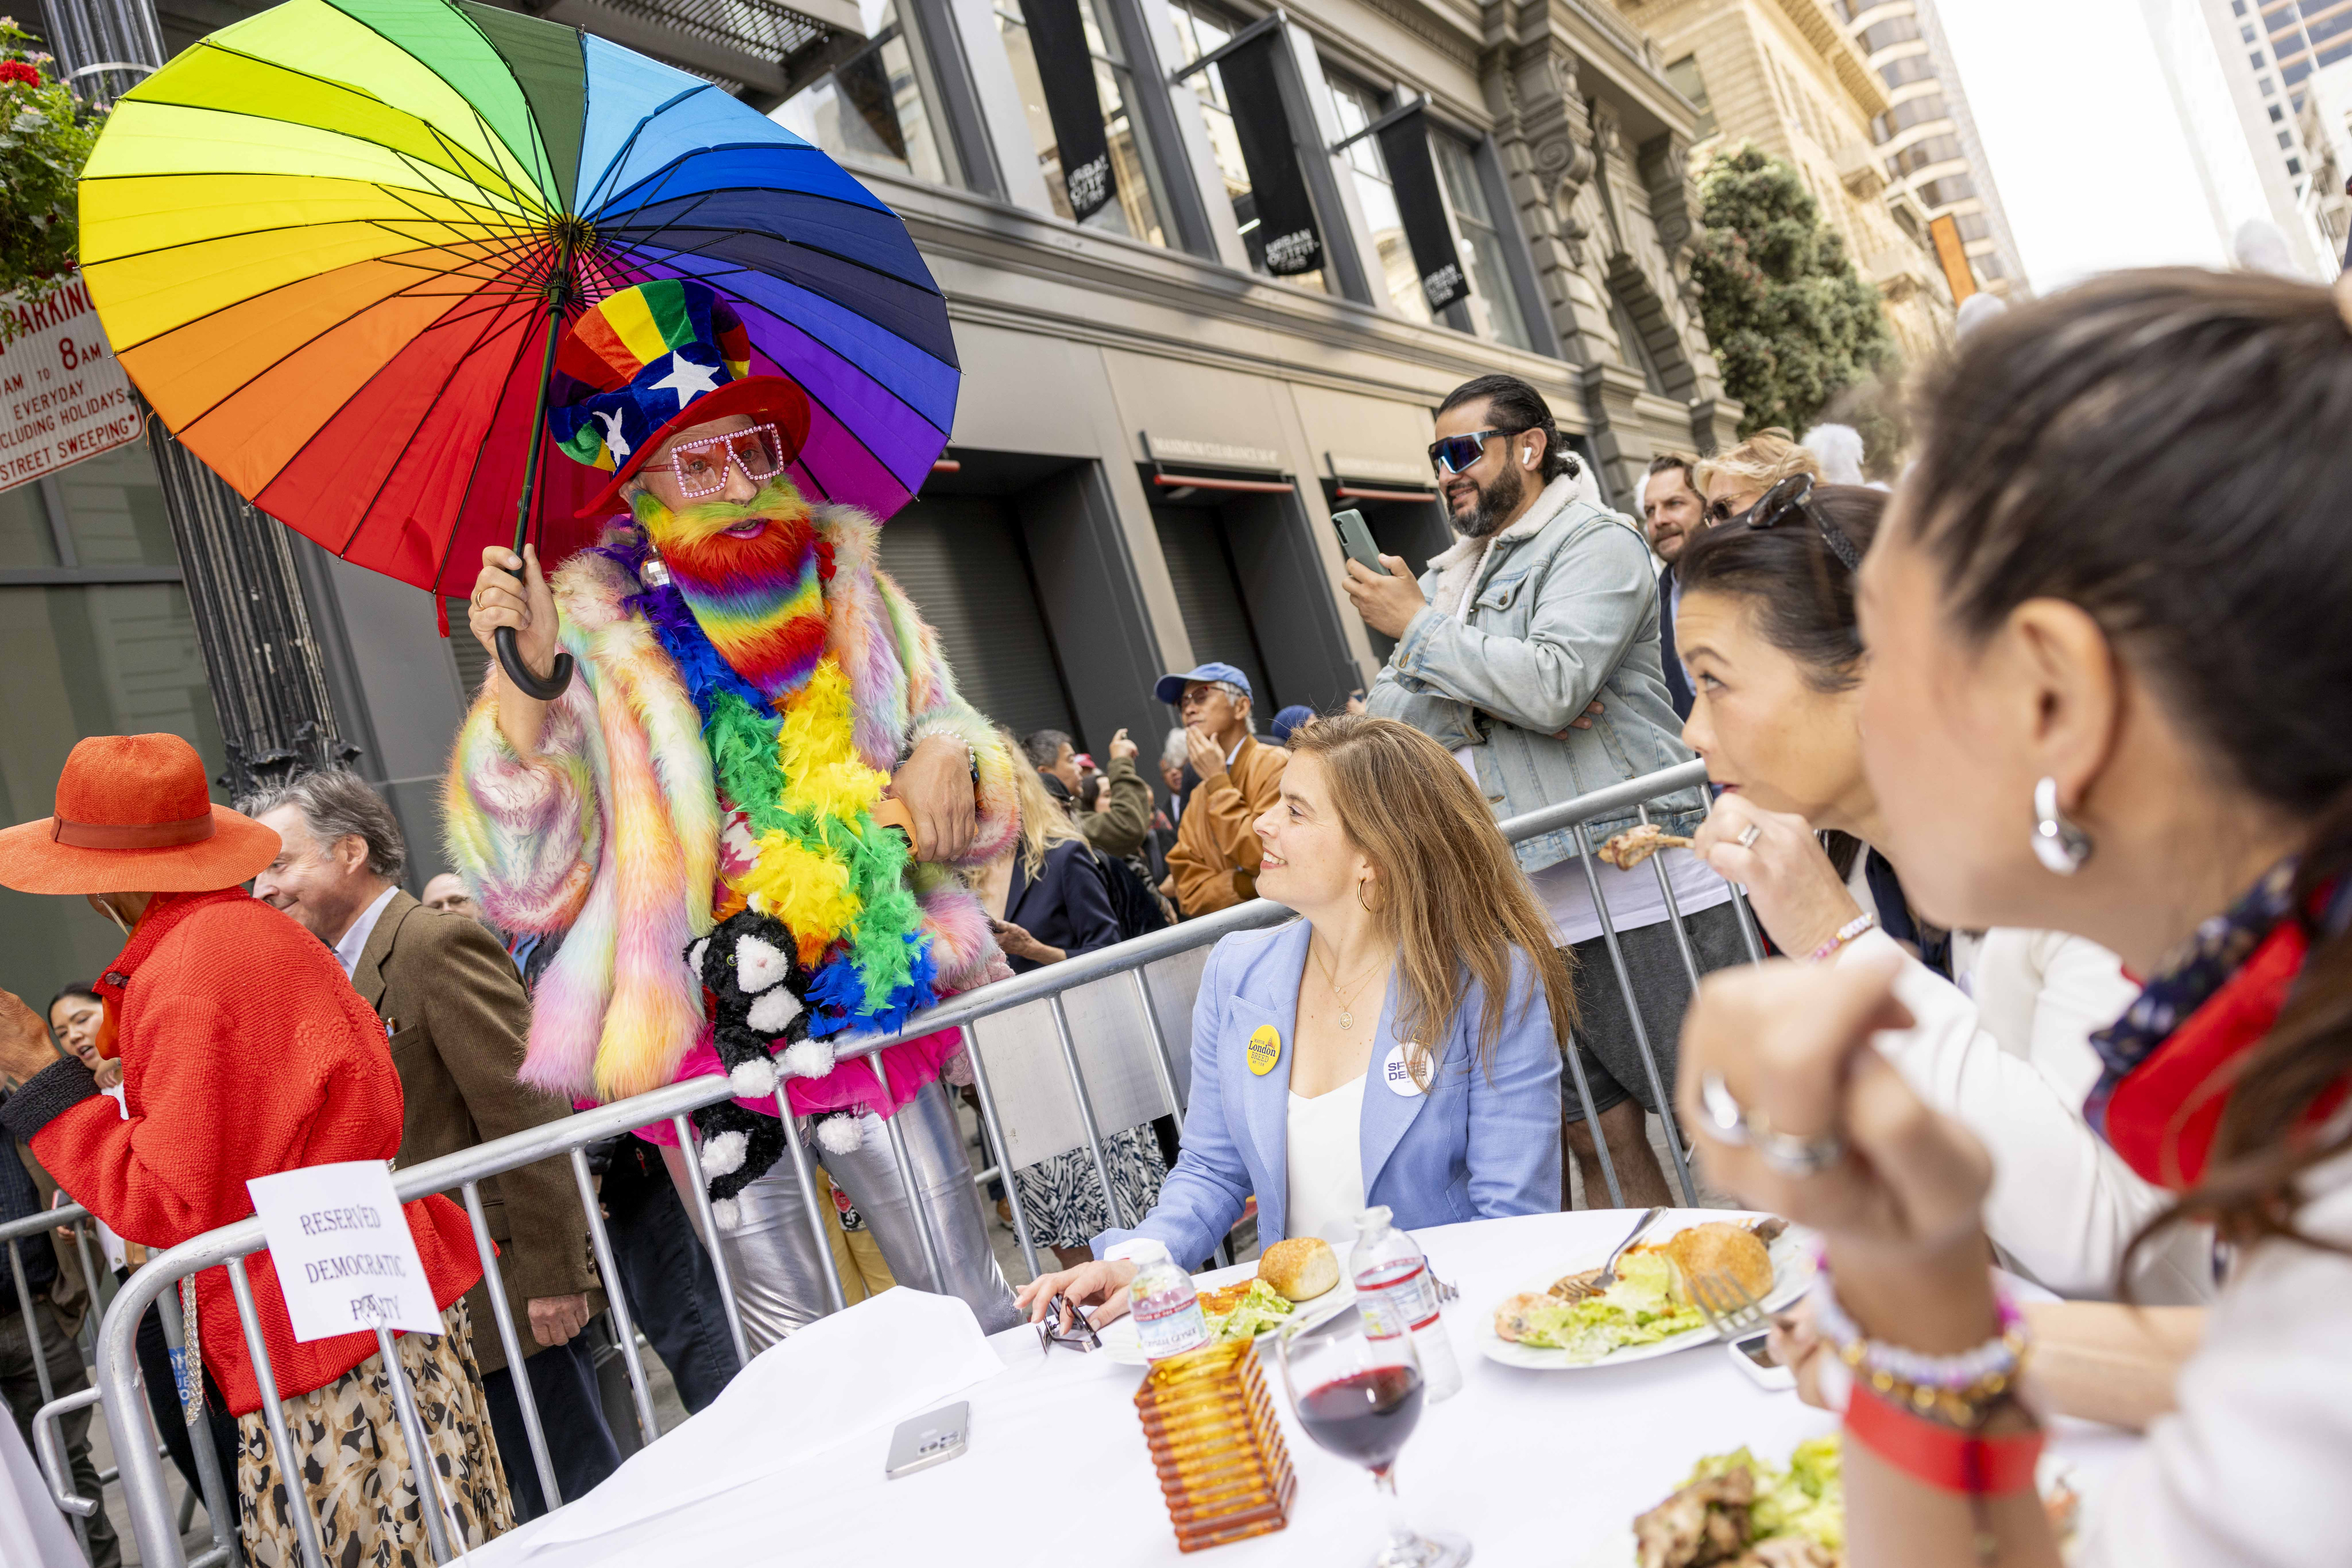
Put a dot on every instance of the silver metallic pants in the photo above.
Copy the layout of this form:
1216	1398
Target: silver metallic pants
778	1267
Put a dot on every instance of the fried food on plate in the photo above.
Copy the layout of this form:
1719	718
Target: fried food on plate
1302	1267
1225	1298
1720	1246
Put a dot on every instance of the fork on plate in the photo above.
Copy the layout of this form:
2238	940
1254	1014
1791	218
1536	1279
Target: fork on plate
1727	1306
1592	1281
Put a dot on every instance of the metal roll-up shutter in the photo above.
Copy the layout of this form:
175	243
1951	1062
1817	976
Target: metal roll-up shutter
959	559
1209	595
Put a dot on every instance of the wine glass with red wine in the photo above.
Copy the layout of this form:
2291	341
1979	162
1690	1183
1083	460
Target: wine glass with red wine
1360	1398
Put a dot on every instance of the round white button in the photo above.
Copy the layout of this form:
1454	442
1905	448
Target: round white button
1397	1073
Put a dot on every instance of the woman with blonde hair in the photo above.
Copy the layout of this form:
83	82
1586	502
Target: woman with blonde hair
1731	482
1048	900
1397	1045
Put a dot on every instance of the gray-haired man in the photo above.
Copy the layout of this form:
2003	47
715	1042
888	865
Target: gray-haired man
455	1018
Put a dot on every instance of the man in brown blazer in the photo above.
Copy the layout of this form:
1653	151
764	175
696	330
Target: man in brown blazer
455	1018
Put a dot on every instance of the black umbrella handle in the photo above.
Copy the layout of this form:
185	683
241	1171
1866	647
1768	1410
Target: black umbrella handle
529	685
559	679
547	689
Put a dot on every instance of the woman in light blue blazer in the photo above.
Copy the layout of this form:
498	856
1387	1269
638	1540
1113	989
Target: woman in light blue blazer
1398	1046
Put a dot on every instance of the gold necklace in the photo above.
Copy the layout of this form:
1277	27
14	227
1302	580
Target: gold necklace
1347	1017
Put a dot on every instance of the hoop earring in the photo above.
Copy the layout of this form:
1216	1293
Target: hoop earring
1360	882
2058	842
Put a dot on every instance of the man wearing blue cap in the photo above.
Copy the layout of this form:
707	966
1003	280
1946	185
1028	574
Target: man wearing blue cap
1215	864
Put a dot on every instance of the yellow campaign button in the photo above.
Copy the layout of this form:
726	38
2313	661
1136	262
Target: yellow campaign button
1265	1049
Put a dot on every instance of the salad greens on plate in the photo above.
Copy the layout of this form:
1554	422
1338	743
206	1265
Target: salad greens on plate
1642	1308
1261	1308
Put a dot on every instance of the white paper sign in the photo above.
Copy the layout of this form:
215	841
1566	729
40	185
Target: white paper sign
343	1253
62	396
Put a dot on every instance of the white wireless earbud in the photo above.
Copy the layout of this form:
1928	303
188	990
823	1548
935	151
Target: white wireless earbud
1528	453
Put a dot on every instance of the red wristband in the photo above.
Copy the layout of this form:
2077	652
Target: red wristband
1943	1457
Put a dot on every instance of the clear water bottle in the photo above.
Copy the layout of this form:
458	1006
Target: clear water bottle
1167	1309
1396	1295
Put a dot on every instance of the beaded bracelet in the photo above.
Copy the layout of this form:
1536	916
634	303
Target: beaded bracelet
1845	934
1957	1390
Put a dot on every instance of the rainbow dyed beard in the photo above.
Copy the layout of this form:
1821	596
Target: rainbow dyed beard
757	596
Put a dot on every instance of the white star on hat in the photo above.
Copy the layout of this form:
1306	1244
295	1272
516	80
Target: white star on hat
688	380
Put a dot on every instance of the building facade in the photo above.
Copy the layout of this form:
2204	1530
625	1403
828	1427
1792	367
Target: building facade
1153	427
1788	76
2325	123
2240	73
1928	136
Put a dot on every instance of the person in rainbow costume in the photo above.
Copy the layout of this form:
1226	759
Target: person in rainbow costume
693	819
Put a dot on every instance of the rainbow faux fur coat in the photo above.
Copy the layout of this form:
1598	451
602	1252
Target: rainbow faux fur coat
610	836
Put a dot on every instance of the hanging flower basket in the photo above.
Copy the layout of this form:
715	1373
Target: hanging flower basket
45	136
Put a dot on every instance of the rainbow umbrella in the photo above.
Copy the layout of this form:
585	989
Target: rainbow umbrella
333	244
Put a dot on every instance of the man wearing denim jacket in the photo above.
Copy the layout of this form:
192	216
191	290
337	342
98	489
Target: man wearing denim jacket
1531	648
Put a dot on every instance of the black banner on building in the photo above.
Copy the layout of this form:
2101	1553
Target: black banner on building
1286	230
1065	69
1404	143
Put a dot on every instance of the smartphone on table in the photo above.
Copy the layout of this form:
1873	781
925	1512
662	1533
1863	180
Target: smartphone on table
931	1439
1356	539
1753	1355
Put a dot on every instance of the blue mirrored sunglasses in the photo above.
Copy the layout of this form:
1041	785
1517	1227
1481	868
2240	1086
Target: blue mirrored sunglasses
1454	454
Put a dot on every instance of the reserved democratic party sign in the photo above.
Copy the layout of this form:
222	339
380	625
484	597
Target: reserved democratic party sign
343	1253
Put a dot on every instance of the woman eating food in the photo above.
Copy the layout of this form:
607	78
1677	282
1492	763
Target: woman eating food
1397	1045
1767	629
2108	692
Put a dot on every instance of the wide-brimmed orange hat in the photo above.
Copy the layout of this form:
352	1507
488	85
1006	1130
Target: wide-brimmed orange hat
132	818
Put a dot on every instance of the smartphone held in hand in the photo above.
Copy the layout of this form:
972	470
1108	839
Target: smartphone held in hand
1356	539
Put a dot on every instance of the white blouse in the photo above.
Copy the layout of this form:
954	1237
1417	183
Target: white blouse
1326	1163
2248	1472
2012	1067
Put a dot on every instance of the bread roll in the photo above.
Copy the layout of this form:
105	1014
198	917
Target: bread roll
1720	1246
1302	1267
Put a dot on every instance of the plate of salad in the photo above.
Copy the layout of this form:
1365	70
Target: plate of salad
1235	1304
1736	1511
1739	1510
1550	1327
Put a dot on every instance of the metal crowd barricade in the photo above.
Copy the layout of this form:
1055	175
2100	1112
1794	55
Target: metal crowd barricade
50	1448
1128	963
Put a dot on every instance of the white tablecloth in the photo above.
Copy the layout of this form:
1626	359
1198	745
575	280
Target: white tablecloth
1533	1467
32	1533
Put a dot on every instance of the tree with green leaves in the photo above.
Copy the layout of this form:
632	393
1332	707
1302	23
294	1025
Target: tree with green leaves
45	138
1790	323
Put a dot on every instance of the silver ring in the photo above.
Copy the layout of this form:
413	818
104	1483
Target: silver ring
1728	1122
1791	1155
1750	833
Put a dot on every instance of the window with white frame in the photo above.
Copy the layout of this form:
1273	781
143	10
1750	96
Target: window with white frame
1137	211
1356	105
870	108
1494	304
1201	27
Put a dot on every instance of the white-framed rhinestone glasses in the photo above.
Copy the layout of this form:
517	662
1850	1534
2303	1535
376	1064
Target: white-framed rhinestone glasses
701	466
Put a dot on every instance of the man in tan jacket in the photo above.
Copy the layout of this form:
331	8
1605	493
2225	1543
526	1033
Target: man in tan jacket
1214	863
455	1017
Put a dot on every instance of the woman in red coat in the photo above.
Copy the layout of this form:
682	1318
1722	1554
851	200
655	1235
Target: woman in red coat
244	1052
